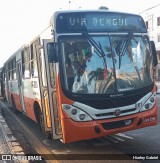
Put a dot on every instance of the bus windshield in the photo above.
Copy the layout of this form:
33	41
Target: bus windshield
106	64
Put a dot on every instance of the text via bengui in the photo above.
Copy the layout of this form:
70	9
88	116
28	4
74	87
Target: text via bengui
99	22
109	22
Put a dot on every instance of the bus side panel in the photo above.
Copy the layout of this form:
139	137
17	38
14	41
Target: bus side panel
29	106
30	96
15	96
17	101
62	99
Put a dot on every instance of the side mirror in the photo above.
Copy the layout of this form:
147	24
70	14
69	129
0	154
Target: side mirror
51	51
154	53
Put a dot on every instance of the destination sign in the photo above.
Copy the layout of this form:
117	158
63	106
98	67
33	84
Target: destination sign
75	22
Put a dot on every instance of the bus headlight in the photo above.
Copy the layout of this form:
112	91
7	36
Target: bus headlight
82	117
67	107
152	99
147	106
149	103
75	113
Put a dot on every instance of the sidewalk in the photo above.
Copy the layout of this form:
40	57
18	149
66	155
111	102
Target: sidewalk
8	143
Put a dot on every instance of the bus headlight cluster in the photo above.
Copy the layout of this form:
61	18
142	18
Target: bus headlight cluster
149	103
75	113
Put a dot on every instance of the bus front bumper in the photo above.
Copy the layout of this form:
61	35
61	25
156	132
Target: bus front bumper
76	131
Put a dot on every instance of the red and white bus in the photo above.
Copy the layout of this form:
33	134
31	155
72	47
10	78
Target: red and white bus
88	75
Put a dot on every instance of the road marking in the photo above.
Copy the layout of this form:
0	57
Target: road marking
123	135
107	140
111	139
116	137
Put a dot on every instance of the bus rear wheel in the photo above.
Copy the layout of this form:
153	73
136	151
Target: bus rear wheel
14	106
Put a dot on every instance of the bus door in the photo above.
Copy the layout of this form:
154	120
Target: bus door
48	92
7	94
20	85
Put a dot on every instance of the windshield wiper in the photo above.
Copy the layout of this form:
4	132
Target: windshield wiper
98	47
124	48
99	51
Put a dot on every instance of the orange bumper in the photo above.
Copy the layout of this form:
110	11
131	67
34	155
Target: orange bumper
76	131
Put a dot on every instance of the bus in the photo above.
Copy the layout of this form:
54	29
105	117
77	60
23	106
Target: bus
89	74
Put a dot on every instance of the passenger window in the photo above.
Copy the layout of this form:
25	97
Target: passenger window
25	62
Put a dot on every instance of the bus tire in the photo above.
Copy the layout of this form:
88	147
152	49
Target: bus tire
37	112
40	120
14	106
42	128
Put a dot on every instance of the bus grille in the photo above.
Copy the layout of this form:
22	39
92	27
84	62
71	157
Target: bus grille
117	124
112	114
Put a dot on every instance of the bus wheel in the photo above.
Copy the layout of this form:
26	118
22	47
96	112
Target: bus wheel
14	106
40	120
42	127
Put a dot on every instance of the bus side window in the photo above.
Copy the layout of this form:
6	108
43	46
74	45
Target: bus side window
34	69
10	70
52	72
25	62
43	67
14	69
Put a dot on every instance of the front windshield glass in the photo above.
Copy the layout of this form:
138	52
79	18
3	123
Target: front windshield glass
106	64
